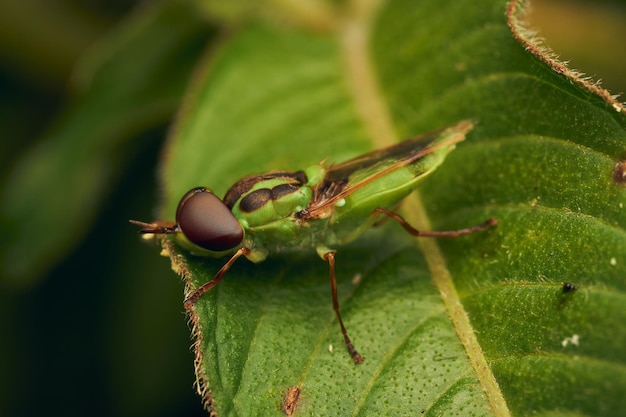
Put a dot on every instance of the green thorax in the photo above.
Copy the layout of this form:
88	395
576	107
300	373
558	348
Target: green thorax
267	206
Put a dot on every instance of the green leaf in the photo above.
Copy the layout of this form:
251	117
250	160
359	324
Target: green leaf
477	325
133	80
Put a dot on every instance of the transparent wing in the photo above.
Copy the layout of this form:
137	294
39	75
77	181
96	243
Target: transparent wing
345	178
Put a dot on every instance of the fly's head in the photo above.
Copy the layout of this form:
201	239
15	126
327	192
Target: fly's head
203	224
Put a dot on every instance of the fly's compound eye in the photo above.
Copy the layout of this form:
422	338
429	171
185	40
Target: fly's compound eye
207	222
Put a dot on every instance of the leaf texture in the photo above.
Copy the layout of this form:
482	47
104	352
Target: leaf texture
473	326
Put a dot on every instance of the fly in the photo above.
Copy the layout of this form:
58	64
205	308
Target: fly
321	207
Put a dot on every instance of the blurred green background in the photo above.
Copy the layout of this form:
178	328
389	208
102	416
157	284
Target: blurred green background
73	341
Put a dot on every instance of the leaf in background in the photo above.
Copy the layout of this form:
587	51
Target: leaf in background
132	81
477	325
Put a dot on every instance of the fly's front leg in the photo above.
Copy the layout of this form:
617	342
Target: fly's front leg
194	296
329	256
433	233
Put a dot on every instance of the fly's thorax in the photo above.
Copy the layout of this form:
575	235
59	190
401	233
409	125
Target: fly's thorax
267	206
271	200
315	174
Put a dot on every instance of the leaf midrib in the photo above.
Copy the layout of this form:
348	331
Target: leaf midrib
416	214
374	113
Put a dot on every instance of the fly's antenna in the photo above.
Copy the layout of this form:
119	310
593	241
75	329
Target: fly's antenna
159	228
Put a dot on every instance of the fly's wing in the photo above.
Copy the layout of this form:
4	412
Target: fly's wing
343	179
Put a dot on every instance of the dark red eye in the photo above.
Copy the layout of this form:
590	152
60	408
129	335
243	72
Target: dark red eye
206	221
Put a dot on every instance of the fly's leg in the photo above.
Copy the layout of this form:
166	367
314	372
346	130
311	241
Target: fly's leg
380	220
194	296
330	257
433	233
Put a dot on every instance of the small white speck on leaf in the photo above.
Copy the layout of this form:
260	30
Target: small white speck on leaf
574	340
613	261
330	348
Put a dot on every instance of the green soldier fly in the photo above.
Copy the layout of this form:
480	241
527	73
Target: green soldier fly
321	207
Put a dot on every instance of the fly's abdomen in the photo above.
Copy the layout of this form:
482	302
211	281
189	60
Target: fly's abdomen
355	213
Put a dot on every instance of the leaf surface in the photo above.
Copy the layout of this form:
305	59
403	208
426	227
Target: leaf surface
477	325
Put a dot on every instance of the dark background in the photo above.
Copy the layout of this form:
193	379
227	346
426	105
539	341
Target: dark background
103	332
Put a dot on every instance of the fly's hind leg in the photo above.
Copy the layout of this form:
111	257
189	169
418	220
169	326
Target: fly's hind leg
329	256
433	233
380	220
